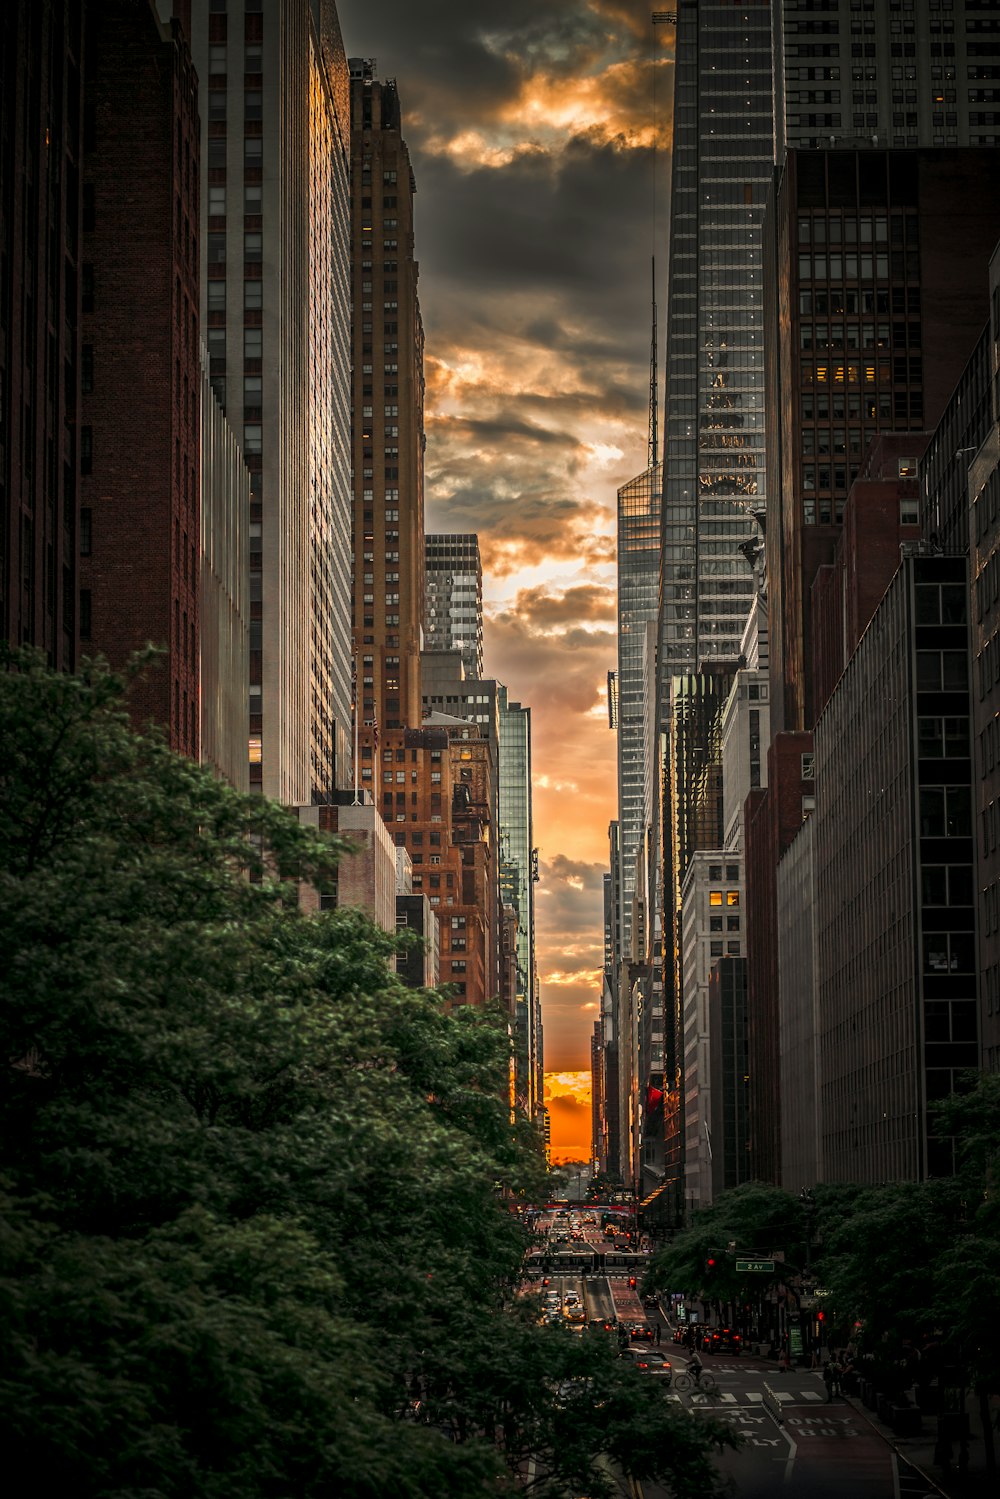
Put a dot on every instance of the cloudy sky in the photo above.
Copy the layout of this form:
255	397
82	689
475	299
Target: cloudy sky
540	200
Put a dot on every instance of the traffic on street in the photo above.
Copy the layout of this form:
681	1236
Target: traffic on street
797	1439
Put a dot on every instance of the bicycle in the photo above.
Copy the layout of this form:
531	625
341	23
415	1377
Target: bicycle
703	1381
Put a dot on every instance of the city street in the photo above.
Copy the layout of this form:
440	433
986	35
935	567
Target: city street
796	1445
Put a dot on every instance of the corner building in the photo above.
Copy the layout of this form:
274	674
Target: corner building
388	431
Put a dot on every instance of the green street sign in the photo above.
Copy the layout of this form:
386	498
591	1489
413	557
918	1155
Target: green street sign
764	1267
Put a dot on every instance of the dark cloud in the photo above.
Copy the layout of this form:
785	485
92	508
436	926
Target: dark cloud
544	608
530	127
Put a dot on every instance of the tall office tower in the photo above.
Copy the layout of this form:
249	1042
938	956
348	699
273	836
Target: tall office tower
388	436
225	594
41	53
638	590
518	874
276	304
692	820
617	1051
713	475
598	1127
896	929
916	75
453	603
140	514
877	294
984	492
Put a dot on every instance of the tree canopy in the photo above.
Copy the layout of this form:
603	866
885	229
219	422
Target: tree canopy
257	1235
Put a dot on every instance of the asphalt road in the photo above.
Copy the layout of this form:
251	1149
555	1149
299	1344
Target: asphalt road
796	1445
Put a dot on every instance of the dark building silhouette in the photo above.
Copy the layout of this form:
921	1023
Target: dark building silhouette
41	206
140	516
875	295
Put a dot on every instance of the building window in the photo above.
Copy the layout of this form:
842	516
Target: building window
715	897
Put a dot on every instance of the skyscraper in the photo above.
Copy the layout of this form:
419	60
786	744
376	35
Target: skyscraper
140	516
453	606
713	475
638	589
388	437
41	47
517	885
276	302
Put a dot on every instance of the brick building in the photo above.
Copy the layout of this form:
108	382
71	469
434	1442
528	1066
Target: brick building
434	787
388	433
140	513
41	124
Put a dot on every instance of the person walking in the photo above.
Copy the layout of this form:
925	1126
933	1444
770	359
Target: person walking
659	1331
835	1375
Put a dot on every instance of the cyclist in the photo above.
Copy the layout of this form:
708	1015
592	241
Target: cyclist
695	1366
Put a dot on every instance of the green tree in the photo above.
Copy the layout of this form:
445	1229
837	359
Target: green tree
236	1153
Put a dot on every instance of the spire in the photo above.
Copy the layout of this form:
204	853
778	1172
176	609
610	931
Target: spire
653	454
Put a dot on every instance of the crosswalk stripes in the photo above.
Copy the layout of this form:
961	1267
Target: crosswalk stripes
784	1397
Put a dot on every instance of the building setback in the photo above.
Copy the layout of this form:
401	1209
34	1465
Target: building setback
140	362
388	432
41	130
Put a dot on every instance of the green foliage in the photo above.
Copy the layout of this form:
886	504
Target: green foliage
256	1236
759	1219
903	1262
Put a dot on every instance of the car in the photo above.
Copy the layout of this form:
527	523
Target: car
649	1361
571	1299
650	1303
721	1340
640	1332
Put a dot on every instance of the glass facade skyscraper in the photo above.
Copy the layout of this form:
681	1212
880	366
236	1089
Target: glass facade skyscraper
516	861
638	588
714	457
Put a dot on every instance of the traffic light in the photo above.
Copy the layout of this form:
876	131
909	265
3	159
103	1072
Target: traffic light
821	1316
710	1262
631	1281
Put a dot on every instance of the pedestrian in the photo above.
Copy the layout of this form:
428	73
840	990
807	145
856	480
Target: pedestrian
828	1380
659	1330
835	1375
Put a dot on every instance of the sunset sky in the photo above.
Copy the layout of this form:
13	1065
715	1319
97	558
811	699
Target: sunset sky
531	130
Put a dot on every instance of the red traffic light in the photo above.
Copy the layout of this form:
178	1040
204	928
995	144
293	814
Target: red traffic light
710	1263
821	1316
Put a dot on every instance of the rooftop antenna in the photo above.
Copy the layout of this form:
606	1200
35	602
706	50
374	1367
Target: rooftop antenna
653	454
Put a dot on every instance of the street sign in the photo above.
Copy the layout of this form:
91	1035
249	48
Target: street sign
763	1267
